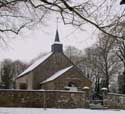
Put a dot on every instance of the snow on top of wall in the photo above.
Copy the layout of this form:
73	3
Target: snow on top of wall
57	74
34	65
40	90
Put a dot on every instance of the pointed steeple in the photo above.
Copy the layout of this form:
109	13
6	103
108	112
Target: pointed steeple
57	46
57	36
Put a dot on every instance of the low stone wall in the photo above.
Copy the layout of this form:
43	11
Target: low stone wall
114	101
44	99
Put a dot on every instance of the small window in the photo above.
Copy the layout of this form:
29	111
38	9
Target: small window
71	84
71	87
23	86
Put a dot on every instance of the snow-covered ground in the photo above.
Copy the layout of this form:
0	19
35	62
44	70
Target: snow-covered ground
57	111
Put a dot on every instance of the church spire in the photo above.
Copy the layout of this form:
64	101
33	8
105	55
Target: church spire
57	46
57	36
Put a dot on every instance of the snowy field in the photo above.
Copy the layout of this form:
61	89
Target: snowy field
57	111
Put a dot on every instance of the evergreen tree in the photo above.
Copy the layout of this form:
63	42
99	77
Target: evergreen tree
9	71
6	74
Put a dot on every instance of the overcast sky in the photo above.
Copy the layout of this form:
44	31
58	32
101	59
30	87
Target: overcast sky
31	43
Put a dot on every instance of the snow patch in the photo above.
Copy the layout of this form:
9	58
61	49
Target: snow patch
104	89
57	74
56	111
34	65
86	88
57	43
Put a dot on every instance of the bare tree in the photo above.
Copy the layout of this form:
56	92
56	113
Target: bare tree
99	13
120	52
122	2
120	44
101	61
74	54
108	60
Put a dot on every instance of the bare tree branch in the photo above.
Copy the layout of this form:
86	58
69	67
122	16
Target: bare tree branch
72	10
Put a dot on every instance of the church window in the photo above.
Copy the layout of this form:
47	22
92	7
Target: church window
23	86
71	84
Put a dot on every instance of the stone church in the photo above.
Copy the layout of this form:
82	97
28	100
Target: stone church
54	71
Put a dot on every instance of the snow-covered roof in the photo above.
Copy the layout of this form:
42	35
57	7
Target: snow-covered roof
34	65
57	74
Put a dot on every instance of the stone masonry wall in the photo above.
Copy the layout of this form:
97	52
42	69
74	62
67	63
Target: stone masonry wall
54	63
114	101
41	98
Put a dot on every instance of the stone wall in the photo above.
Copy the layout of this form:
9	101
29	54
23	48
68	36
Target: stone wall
114	101
41	98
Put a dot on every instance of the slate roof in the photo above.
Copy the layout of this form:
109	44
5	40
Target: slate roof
34	65
57	74
57	36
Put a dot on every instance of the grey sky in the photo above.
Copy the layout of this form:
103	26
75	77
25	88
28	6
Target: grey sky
31	43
